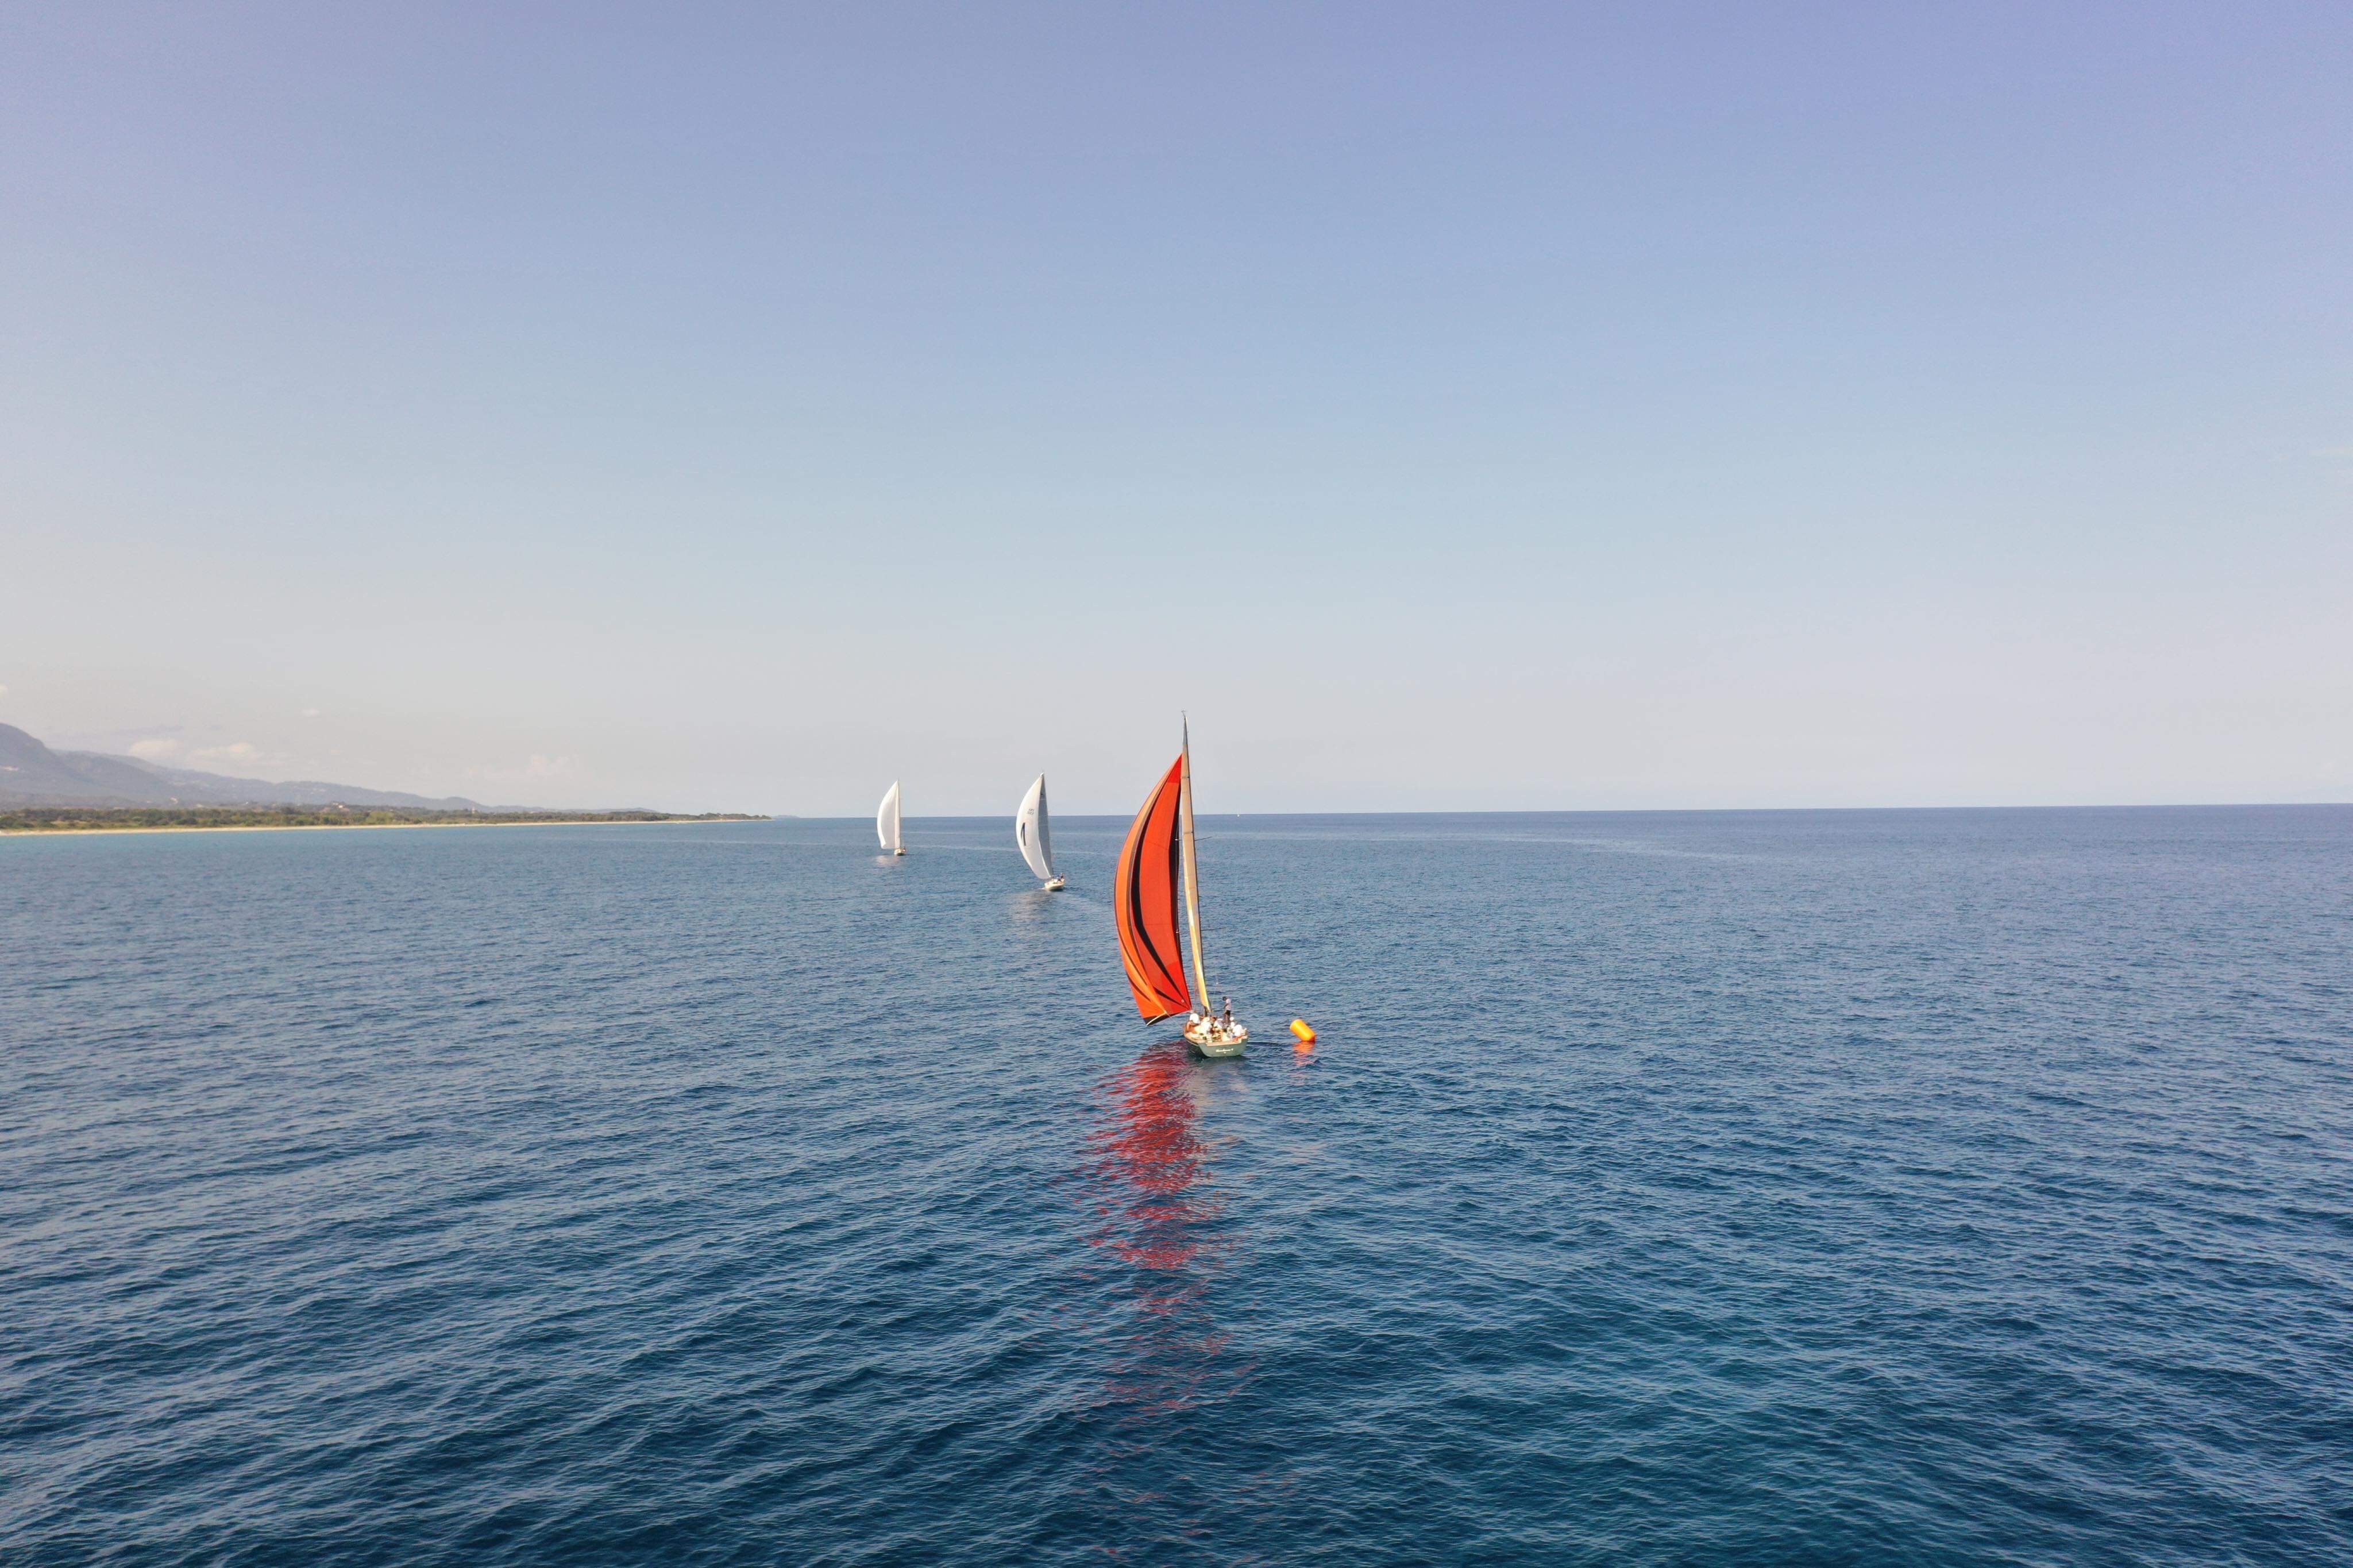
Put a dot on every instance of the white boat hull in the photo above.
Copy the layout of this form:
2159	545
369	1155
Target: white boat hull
1055	886
1213	1041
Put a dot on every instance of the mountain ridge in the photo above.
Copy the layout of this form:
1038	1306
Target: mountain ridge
32	773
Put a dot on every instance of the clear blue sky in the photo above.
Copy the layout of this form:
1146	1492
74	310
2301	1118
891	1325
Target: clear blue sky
1453	407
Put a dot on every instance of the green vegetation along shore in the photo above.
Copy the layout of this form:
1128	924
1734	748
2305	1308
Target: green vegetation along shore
104	819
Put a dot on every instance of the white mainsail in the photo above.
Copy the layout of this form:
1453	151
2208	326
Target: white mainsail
1030	831
1192	871
886	822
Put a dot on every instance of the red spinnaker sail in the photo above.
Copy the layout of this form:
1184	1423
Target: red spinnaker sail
1144	898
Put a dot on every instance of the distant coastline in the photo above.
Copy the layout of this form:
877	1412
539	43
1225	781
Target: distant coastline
30	821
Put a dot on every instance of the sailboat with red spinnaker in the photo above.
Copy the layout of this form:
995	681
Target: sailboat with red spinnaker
1157	864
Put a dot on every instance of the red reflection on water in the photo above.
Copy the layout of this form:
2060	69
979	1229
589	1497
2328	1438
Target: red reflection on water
1162	1227
1149	1161
1148	1180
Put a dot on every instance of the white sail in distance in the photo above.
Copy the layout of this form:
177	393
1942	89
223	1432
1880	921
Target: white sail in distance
886	822
1031	832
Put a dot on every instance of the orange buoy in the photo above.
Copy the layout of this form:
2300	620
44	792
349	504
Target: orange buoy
1306	1035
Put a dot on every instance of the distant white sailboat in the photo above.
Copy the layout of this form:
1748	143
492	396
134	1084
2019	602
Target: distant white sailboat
886	822
1031	832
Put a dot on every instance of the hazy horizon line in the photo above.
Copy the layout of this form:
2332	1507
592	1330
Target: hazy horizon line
1633	811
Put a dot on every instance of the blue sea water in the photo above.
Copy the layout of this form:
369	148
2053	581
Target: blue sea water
1935	1187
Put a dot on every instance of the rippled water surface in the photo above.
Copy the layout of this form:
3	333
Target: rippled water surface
1853	1187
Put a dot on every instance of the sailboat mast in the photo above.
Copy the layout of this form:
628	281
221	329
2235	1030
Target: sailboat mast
1192	871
